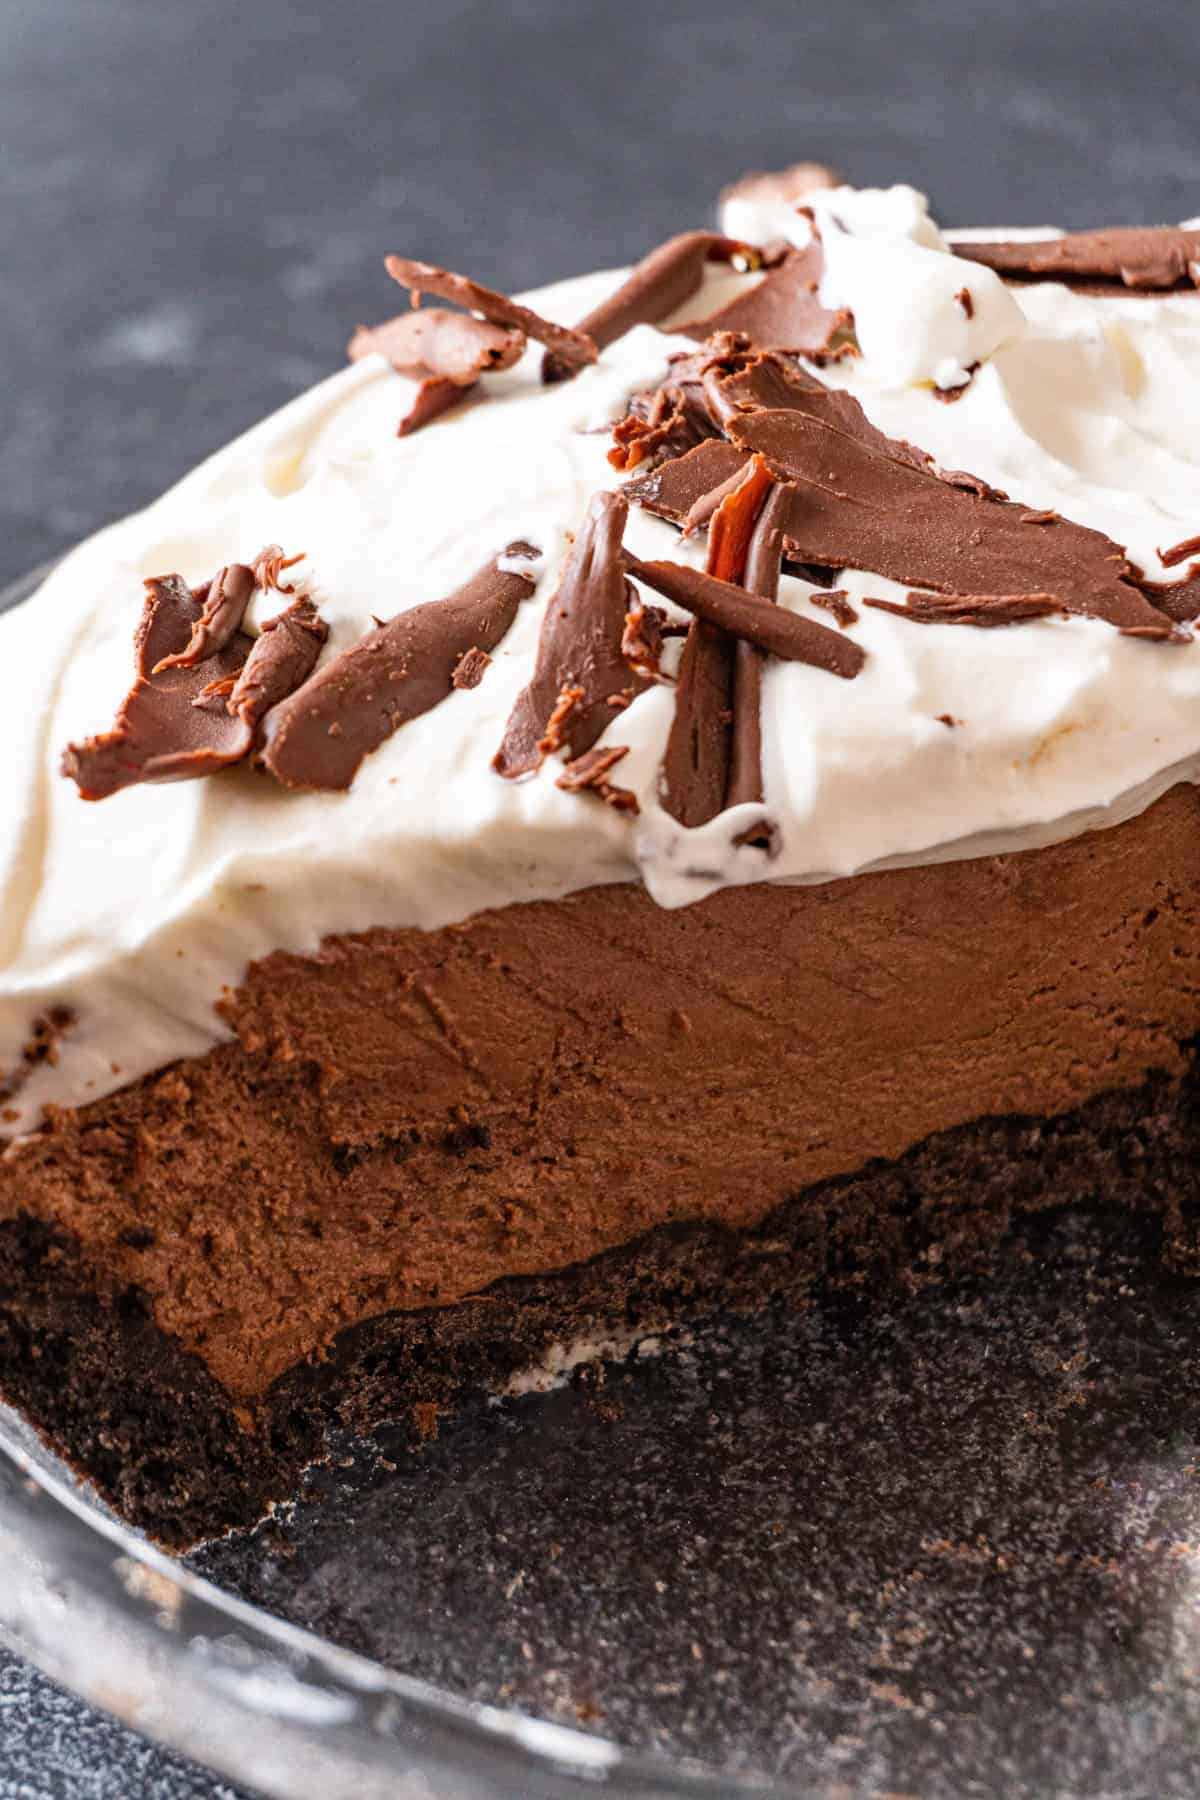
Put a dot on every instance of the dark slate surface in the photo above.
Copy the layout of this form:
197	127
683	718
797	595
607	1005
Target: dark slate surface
945	1546
194	202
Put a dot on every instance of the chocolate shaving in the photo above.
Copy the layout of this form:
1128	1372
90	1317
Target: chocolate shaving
675	488
1144	258
589	773
674	417
964	299
319	736
707	506
673	422
269	564
733	522
470	668
1178	600
224	607
555	734
658	286
695	768
970	609
579	648
284	656
159	734
862	501
741	383
574	347
760	574
432	398
836	601
435	341
643	638
700	746
784	311
745	615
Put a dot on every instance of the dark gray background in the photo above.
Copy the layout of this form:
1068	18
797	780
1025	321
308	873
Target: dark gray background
195	201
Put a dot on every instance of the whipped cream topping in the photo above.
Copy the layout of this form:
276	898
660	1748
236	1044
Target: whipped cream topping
138	912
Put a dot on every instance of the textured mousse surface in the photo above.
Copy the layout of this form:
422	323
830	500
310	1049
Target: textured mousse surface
595	1087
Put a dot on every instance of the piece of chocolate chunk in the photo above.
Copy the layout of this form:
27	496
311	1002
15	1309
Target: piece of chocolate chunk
581	679
320	736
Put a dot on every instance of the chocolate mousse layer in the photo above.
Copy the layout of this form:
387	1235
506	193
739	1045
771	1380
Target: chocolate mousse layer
425	1158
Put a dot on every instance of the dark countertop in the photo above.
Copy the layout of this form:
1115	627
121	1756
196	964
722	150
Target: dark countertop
195	202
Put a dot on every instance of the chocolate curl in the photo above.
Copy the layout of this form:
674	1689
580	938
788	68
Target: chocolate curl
284	656
784	312
579	652
159	733
734	519
1144	258
574	347
658	286
970	609
695	769
701	747
319	736
1177	553
224	607
763	558
744	615
269	565
435	341
836	601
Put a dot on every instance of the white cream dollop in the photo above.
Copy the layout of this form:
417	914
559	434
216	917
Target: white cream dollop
138	911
